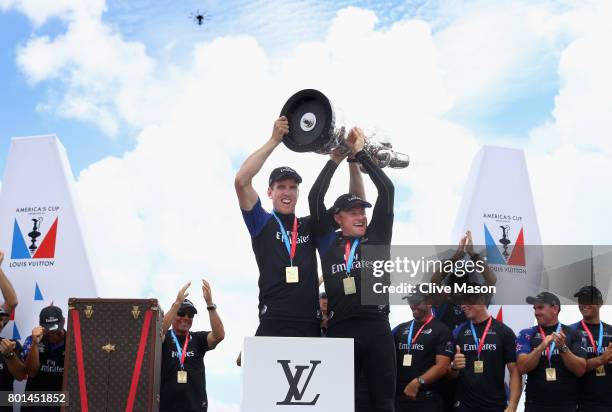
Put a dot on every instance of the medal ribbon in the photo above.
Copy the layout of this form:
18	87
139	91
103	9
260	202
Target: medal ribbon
550	349
180	352
349	254
480	342
294	232
599	347
410	339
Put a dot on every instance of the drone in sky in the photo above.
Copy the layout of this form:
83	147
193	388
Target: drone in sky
199	17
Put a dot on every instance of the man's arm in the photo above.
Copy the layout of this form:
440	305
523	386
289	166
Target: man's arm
576	364
217	333
601	360
12	359
439	276
247	196
458	363
356	186
433	374
382	215
171	314
316	196
516	387
526	362
489	276
10	297
32	361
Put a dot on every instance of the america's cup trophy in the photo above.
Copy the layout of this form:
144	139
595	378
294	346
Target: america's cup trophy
315	125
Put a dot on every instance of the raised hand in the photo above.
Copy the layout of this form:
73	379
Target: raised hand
281	127
206	292
37	334
182	293
356	140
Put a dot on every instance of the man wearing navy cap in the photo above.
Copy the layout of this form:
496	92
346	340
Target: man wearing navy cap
44	355
283	245
424	350
342	264
595	386
553	357
183	379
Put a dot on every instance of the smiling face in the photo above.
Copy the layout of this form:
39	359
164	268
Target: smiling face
284	195
473	311
546	315
353	222
589	311
182	323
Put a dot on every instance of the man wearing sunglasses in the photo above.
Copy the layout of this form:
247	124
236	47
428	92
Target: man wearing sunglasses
44	355
11	366
183	380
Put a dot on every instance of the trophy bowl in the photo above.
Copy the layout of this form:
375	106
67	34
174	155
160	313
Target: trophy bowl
315	125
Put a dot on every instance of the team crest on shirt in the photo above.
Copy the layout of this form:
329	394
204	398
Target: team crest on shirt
426	331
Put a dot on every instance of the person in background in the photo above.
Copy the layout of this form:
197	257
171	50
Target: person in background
183	376
595	386
44	355
552	356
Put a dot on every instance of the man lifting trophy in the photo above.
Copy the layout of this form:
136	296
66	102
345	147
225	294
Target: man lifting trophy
315	126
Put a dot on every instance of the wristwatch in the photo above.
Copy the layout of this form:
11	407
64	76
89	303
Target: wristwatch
420	380
564	349
211	307
8	355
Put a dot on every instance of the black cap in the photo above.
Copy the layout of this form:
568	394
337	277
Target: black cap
543	298
188	306
51	318
416	298
347	201
282	173
589	295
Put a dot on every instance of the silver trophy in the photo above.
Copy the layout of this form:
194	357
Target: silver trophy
315	125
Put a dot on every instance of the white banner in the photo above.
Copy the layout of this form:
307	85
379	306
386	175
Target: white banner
301	374
497	206
40	232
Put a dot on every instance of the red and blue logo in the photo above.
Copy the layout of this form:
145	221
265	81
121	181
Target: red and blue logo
44	250
499	254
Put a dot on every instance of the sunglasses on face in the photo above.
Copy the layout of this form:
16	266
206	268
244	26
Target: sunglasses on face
185	314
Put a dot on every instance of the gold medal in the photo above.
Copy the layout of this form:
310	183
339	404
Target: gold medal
551	374
181	376
349	286
291	274
478	366
407	360
600	371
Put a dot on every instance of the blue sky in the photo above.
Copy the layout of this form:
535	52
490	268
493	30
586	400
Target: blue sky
168	34
156	113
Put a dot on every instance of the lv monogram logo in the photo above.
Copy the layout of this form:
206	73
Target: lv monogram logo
294	394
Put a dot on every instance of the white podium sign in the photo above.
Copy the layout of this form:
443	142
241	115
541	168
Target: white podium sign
302	374
46	256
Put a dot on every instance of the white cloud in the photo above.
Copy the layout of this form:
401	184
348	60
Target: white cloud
104	79
570	156
39	11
